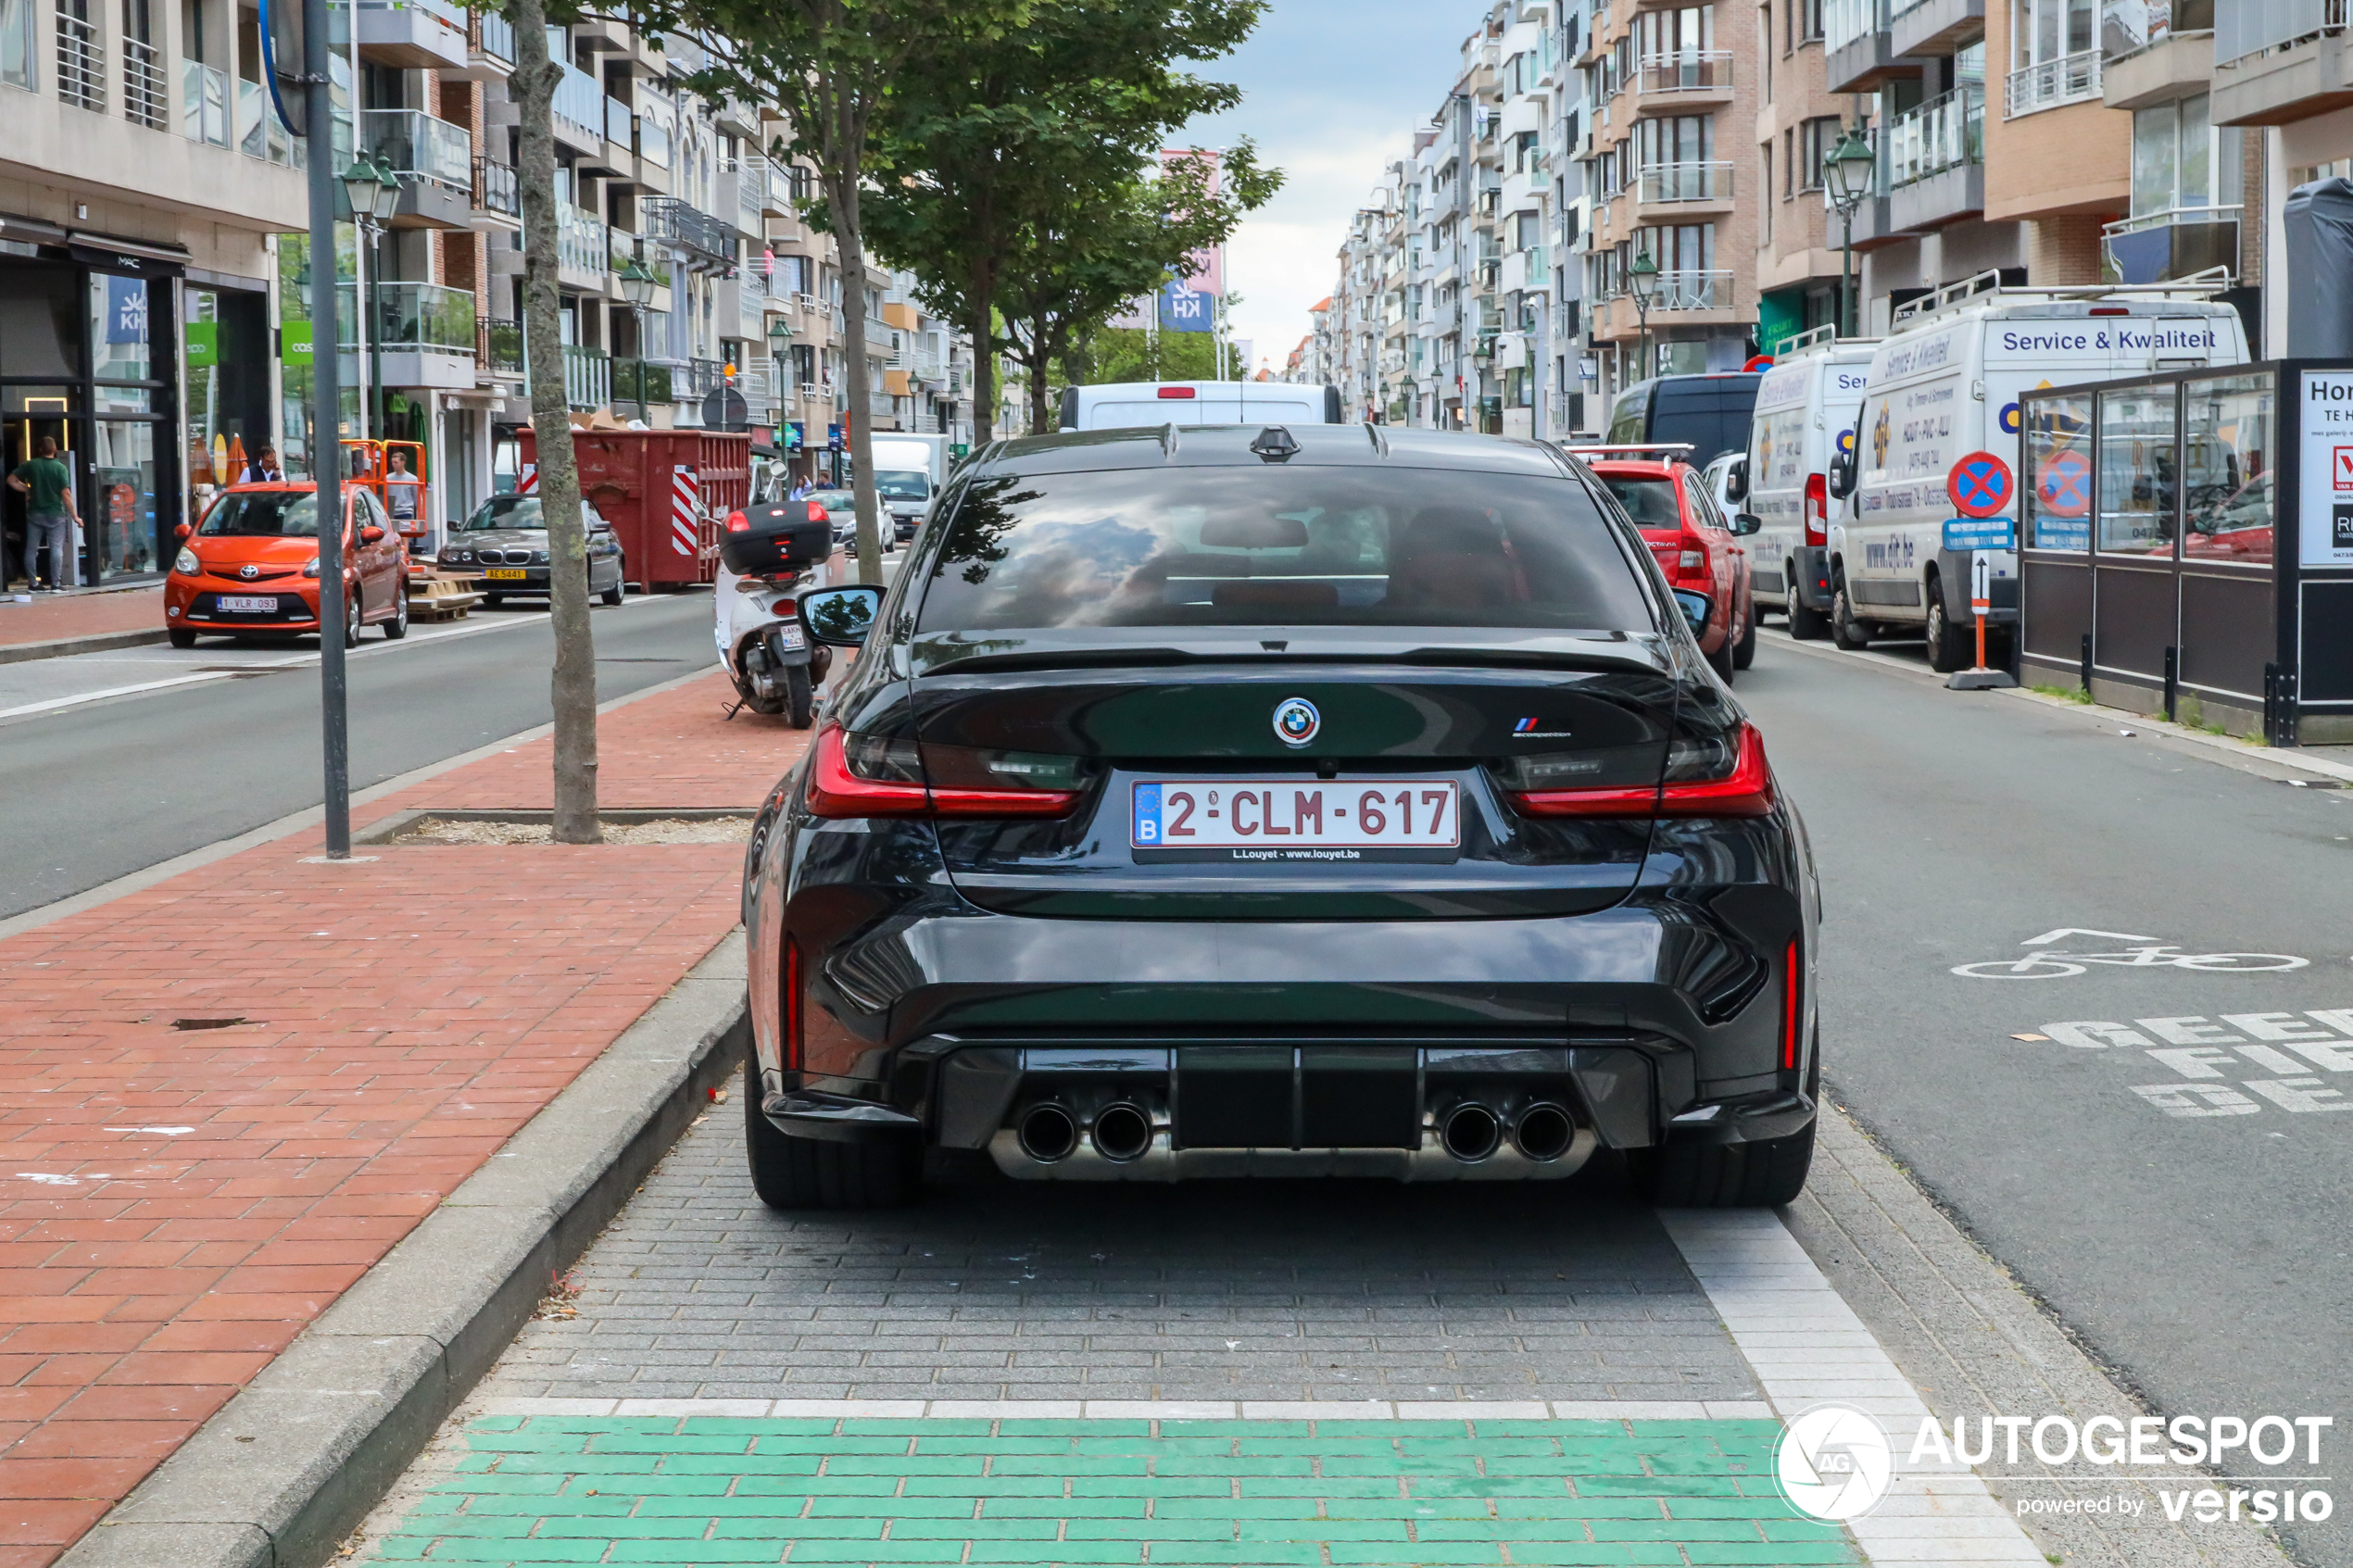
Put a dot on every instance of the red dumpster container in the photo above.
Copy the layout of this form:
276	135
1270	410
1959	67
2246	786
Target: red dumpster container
667	493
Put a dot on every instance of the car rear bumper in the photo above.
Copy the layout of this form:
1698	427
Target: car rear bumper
1812	587
1621	1030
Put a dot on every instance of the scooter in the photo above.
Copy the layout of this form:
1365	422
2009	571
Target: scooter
770	555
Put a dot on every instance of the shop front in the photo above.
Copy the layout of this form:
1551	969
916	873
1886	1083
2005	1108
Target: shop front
80	330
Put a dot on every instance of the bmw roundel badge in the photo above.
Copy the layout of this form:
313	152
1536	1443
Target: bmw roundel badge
1296	721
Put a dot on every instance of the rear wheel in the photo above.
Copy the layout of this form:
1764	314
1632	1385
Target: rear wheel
800	697
789	1172
1845	630
1721	659
1948	647
352	617
1806	623
397	627
620	573
182	637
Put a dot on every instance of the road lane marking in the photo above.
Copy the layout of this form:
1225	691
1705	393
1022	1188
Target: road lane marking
2044	963
2205	1055
1142	1410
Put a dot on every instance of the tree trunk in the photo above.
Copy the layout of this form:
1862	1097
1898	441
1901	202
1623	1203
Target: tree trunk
573	686
984	316
841	198
1041	423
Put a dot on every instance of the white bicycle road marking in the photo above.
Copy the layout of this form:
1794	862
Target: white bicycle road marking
2046	963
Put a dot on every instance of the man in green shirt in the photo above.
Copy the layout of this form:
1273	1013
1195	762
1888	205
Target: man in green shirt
47	485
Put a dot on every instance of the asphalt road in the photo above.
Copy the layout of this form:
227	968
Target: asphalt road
2161	1152
108	785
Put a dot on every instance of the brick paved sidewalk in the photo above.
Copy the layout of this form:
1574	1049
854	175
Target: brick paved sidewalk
176	1204
54	616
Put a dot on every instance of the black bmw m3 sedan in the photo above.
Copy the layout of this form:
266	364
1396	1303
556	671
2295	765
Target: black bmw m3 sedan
1337	800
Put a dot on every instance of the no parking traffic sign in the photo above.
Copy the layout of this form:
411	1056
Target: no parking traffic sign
1981	486
2065	485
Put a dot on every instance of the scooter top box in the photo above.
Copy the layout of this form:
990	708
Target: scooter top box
783	537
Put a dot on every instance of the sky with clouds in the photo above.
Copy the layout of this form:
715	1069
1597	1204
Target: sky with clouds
1334	91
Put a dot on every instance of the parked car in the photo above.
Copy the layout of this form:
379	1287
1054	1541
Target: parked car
1298	804
1696	545
1945	383
1709	413
251	566
505	545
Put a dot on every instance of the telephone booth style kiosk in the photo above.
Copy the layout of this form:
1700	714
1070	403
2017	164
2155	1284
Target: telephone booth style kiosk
2186	545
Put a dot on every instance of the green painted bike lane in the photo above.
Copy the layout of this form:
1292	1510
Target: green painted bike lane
706	1489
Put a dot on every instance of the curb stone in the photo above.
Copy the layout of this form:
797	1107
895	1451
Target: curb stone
66	648
287	1470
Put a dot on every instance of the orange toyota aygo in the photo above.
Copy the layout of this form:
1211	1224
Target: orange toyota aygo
251	568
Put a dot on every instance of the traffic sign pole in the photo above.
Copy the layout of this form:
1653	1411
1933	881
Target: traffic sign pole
1980	596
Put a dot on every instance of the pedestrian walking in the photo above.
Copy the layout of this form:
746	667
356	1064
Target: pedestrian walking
50	519
265	468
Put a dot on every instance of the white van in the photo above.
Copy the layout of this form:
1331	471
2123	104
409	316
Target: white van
1805	418
1945	383
1125	405
909	467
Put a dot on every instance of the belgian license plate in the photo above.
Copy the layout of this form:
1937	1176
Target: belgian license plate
247	604
504	574
1317	820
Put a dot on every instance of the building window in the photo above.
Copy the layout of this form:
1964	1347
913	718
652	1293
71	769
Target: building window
82	58
1817	139
2048	29
16	43
1764	156
2180	160
1789	164
1809	19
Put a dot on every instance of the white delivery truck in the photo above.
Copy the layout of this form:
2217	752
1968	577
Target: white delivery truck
1804	418
1126	405
909	467
1944	385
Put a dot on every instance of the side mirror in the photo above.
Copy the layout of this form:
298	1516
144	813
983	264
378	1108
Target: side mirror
840	617
370	534
182	532
1736	480
1841	478
1747	522
1694	608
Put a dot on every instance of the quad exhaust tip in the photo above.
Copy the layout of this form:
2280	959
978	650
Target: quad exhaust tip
1123	1131
1470	1132
1048	1133
1543	1132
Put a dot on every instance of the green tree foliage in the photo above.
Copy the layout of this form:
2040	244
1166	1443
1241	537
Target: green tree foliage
1116	242
993	147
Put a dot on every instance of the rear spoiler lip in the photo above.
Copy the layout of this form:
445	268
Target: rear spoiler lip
1620	651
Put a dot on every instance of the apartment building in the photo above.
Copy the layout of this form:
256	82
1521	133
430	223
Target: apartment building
1800	254
155	266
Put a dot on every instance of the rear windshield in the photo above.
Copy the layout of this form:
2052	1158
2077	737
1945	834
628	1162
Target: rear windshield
1281	546
1712	416
1649	502
266	514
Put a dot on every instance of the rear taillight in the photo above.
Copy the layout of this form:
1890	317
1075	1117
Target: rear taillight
1817	510
1176	392
1720	778
1691	561
872	776
739	524
817	513
1793	1001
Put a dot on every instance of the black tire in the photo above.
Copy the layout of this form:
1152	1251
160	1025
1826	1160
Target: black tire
351	617
1744	651
1845	630
789	1172
491	600
1949	648
1739	1176
397	627
612	595
1721	659
1806	623
800	697
182	637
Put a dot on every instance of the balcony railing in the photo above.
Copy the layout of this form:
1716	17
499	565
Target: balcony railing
204	103
2069	79
1685	71
498	37
698	379
580	240
675	223
2242	28
1947	131
498	347
144	100
1850	21
2128	25
625	386
1690	290
579	105
587	377
495	189
81	63
420	148
2180	241
621	125
1683	183
413	317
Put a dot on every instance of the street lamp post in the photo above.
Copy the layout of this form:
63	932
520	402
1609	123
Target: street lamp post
1847	172
373	187
1642	272
637	285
